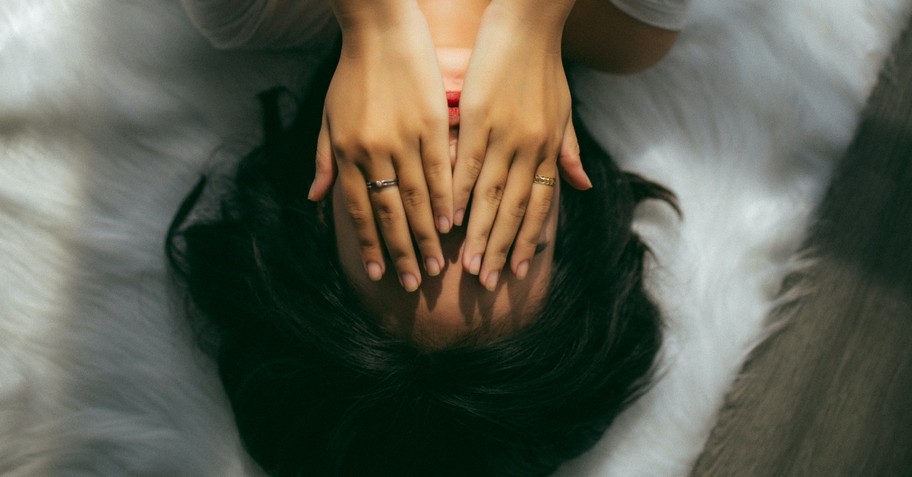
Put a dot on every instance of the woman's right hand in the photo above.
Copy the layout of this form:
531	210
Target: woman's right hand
385	117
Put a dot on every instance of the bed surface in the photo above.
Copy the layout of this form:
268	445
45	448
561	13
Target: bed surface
831	394
109	111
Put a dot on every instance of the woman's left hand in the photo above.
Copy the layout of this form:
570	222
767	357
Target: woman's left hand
514	124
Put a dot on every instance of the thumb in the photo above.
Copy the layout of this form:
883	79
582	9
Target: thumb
571	168
325	166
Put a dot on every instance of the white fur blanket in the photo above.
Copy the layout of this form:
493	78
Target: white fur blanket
109	110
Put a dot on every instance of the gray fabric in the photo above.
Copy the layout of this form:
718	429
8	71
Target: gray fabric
667	14
294	23
240	23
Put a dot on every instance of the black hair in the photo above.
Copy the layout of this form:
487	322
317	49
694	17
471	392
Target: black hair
319	388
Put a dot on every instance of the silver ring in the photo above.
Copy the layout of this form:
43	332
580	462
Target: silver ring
381	183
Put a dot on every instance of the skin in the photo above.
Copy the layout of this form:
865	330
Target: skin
386	116
511	131
396	134
452	304
514	119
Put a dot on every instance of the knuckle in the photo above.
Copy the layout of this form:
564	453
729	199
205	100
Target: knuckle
435	169
538	133
468	106
385	214
360	217
518	210
473	106
497	262
368	247
427	244
438	195
473	165
363	143
431	120
376	145
478	239
412	197
401	259
496	256
526	242
344	145
494	193
498	247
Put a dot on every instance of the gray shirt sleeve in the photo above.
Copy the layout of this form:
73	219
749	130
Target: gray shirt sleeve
294	23
262	23
667	14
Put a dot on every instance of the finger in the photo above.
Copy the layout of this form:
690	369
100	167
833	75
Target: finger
510	215
470	153
325	173
571	167
389	212
537	215
435	157
358	207
413	192
486	198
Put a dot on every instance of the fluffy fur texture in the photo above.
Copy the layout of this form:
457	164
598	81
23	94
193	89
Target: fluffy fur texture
109	110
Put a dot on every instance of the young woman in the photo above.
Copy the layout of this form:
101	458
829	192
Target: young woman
386	115
332	373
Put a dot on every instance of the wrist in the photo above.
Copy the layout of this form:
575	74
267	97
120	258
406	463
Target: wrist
541	13
535	22
359	16
376	24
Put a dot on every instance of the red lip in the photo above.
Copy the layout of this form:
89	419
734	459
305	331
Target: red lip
453	103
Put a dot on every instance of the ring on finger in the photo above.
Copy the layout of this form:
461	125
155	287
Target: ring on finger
544	180
371	185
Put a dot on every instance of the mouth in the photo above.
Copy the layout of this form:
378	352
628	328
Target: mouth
453	106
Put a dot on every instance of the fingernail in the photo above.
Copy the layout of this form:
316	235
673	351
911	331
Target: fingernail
475	265
443	224
432	266
588	181
374	271
457	218
522	270
408	281
491	283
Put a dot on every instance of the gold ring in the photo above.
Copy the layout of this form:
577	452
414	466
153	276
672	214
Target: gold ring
544	180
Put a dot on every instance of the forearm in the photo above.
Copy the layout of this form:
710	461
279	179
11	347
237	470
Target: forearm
367	26
599	35
536	23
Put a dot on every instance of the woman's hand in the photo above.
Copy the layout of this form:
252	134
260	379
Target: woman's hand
386	117
514	124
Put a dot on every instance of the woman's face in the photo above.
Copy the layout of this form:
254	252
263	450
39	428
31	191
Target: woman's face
452	305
